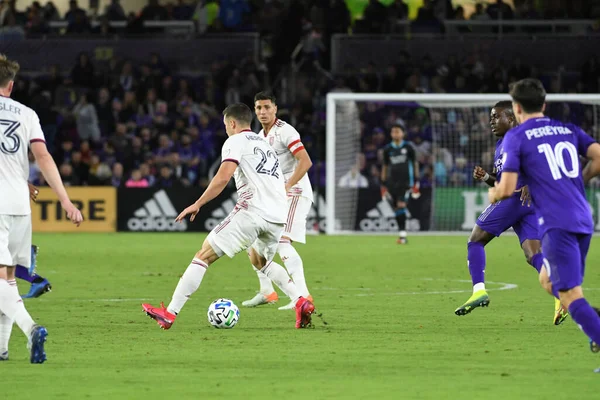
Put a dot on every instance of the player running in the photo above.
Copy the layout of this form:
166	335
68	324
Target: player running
295	163
499	217
399	175
545	153
257	221
19	130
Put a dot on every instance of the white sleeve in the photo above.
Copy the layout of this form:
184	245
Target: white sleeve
35	133
232	150
291	138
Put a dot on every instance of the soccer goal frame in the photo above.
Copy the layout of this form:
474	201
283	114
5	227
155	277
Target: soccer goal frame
424	100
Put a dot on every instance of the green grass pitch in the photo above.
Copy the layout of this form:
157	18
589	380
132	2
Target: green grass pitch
392	332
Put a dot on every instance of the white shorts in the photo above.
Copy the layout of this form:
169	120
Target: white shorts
243	229
295	227
15	240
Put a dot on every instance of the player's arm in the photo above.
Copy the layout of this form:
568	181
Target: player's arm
416	170
384	167
304	164
506	187
510	174
52	177
482	175
215	187
592	168
218	182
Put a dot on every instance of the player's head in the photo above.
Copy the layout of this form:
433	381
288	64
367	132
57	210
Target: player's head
8	72
265	107
237	117
528	97
397	133
502	118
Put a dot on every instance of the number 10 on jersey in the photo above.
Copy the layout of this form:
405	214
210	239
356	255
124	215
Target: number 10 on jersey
556	160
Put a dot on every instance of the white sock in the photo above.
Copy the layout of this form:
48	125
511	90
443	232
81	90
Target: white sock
266	287
6	325
277	274
293	263
12	306
188	284
478	286
280	288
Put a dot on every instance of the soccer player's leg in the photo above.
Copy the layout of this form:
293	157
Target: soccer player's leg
262	253
234	234
476	262
399	199
527	231
39	284
295	231
566	253
15	245
494	220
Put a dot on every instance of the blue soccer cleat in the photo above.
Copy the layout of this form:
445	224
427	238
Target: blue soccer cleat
4	356
38	289
34	253
36	344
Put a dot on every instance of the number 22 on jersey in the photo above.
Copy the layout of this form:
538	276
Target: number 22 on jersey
556	160
268	163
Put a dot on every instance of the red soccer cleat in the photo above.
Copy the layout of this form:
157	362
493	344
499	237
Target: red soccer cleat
304	310
164	318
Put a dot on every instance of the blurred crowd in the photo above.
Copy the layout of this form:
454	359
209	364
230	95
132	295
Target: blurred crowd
150	124
282	16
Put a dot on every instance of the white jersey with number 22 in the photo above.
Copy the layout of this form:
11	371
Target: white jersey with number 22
19	126
258	178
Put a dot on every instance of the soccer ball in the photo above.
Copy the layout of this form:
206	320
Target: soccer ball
223	314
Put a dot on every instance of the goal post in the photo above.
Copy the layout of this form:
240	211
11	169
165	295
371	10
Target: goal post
451	135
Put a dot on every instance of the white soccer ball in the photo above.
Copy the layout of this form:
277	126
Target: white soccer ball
223	314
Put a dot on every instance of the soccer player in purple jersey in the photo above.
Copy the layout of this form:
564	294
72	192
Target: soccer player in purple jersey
513	212
545	153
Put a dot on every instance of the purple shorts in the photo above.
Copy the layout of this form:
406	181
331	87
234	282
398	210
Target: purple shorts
499	217
565	254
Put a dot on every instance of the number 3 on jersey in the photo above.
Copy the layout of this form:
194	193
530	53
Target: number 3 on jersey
268	164
10	143
556	160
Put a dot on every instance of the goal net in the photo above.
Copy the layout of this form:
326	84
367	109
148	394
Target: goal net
451	135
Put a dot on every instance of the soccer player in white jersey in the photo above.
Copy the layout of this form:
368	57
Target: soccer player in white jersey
295	163
256	223
20	130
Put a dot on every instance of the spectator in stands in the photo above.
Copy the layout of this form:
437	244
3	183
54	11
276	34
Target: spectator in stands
374	16
82	74
87	119
154	12
73	12
232	13
500	10
137	180
80	169
353	179
114	11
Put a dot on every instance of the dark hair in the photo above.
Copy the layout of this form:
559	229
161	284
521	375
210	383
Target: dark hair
399	126
530	94
265	96
504	104
240	112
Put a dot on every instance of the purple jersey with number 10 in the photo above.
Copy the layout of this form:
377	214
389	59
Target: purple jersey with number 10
545	153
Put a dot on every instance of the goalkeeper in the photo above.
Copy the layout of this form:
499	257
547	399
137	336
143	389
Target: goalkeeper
399	175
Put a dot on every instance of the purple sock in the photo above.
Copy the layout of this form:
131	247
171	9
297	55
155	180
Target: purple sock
537	262
476	257
587	318
23	273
